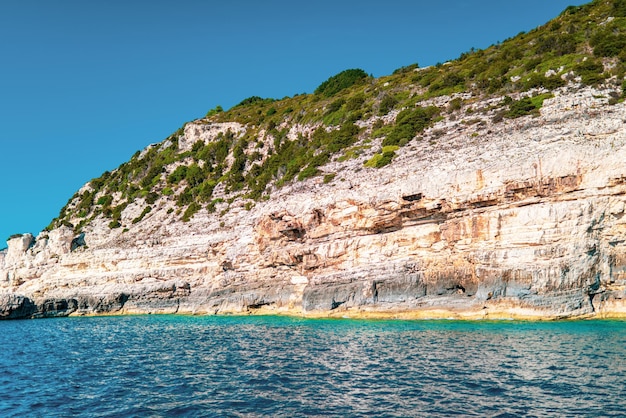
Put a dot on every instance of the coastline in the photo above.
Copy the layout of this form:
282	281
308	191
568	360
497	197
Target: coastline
538	233
492	314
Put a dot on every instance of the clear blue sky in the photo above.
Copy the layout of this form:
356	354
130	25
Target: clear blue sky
85	84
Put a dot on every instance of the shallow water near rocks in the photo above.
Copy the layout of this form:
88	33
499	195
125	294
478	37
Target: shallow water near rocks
276	366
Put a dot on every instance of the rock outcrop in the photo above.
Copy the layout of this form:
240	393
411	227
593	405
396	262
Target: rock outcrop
523	218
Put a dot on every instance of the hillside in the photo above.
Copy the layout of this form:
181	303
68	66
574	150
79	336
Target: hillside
488	185
352	116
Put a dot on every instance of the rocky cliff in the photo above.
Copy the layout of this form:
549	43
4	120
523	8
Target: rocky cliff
491	186
520	218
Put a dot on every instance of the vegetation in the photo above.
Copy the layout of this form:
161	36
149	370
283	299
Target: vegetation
525	106
409	123
341	81
383	158
406	69
253	100
217	109
584	45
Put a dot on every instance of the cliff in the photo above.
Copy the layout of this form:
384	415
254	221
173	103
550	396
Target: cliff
431	193
525	219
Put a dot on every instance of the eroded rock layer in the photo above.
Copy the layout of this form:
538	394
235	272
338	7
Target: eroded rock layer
522	218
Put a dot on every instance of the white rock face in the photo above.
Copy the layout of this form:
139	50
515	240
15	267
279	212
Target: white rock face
59	241
522	218
195	132
17	247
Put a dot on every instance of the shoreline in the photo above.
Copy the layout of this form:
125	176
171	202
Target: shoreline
414	315
23	307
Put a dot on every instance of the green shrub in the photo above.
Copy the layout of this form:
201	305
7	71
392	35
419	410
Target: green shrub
538	100
254	100
342	138
571	10
406	69
105	200
608	44
217	109
235	175
390	148
152	176
386	159
492	83
590	72
536	80
177	175
309	171
559	44
409	123
521	107
210	207
341	81
450	82
335	106
86	201
116	214
619	8
355	103
190	211
387	104
97	183
455	104
145	211
197	146
185	197
329	177
384	130
532	63
151	197
205	190
382	159
320	159
216	152
352	153
194	175
426	76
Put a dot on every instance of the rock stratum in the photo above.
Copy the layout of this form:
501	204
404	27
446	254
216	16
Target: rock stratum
523	218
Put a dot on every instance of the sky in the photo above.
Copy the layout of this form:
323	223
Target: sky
85	84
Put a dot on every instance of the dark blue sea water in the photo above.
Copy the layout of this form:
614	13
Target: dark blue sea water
271	366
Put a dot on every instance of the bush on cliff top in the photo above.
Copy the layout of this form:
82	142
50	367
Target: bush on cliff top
341	81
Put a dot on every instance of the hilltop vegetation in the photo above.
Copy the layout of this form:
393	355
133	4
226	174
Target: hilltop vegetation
352	112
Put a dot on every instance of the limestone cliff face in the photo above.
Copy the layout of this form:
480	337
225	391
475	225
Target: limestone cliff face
520	218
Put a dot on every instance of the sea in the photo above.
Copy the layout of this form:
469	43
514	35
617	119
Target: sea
249	366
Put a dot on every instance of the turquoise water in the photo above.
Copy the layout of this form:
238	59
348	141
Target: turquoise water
273	366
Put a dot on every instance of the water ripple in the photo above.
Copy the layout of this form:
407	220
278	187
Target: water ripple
257	366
